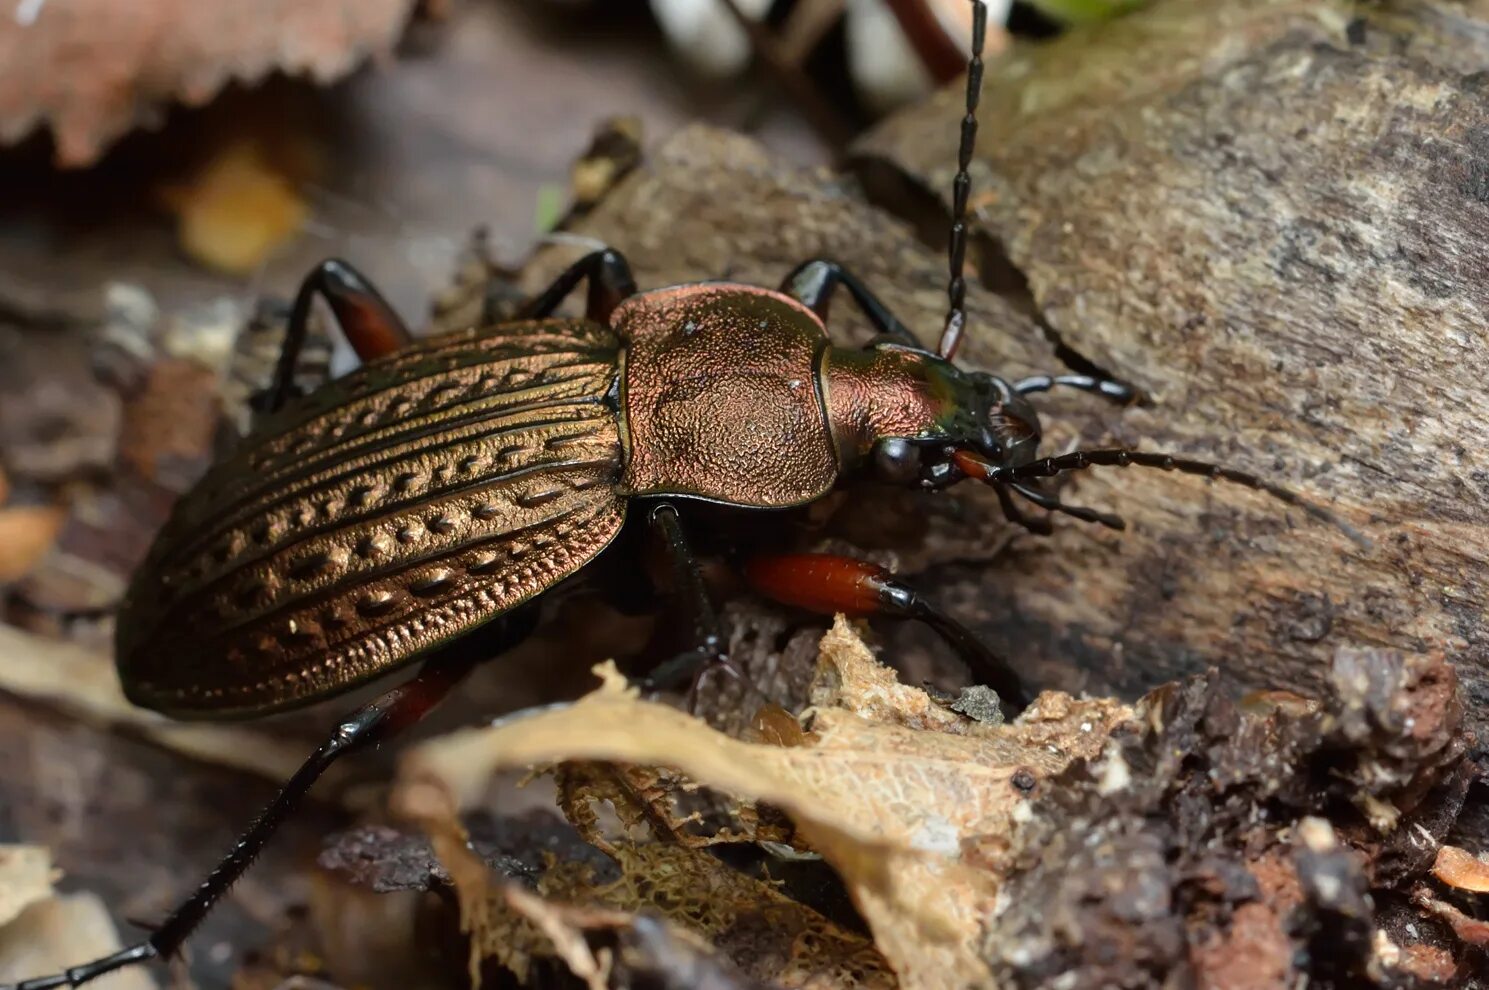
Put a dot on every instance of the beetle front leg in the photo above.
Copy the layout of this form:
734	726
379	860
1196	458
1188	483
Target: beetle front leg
610	283
364	317
394	711
828	584
813	283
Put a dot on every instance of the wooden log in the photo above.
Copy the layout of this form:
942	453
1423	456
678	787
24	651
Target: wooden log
1269	220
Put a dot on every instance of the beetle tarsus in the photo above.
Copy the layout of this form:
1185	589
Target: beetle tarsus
76	976
900	600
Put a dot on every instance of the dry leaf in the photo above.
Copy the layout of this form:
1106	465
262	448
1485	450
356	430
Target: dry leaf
564	935
609	948
237	209
25	877
849	677
771	936
915	822
93	69
27	532
668	806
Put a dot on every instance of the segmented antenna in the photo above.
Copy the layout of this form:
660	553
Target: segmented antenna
961	187
1080	460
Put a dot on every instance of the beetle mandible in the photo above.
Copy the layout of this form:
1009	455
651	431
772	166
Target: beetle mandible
448	483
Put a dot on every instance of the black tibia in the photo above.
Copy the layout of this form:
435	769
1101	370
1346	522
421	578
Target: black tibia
899	600
814	282
389	714
610	282
712	649
364	317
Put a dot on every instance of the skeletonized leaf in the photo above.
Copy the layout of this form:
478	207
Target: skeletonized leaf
915	822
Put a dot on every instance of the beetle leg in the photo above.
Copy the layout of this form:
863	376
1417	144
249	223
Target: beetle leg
829	584
813	283
712	651
396	710
369	323
610	282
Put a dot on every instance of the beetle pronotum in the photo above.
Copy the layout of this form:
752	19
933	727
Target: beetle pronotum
416	507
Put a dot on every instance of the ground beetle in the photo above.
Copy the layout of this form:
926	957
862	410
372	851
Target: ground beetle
449	481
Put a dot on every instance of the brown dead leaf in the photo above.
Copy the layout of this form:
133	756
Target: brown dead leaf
666	805
772	937
27	532
915	822
25	877
609	948
93	69
564	934
237	209
1461	869
697	898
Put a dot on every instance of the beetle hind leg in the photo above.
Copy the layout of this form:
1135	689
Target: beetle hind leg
369	324
828	584
394	711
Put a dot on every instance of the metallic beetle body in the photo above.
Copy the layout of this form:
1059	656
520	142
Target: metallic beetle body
436	489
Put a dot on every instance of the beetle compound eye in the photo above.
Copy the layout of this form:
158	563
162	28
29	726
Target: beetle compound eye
897	460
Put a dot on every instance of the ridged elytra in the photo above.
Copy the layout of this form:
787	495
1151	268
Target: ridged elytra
415	507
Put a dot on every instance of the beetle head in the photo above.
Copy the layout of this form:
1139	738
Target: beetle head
905	414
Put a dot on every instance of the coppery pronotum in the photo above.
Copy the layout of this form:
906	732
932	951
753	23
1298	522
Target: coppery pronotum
446	484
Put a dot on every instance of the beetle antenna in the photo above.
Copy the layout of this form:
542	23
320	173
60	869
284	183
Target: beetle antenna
961	187
976	467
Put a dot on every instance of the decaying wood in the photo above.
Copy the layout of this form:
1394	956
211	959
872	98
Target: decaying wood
1275	225
1274	233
